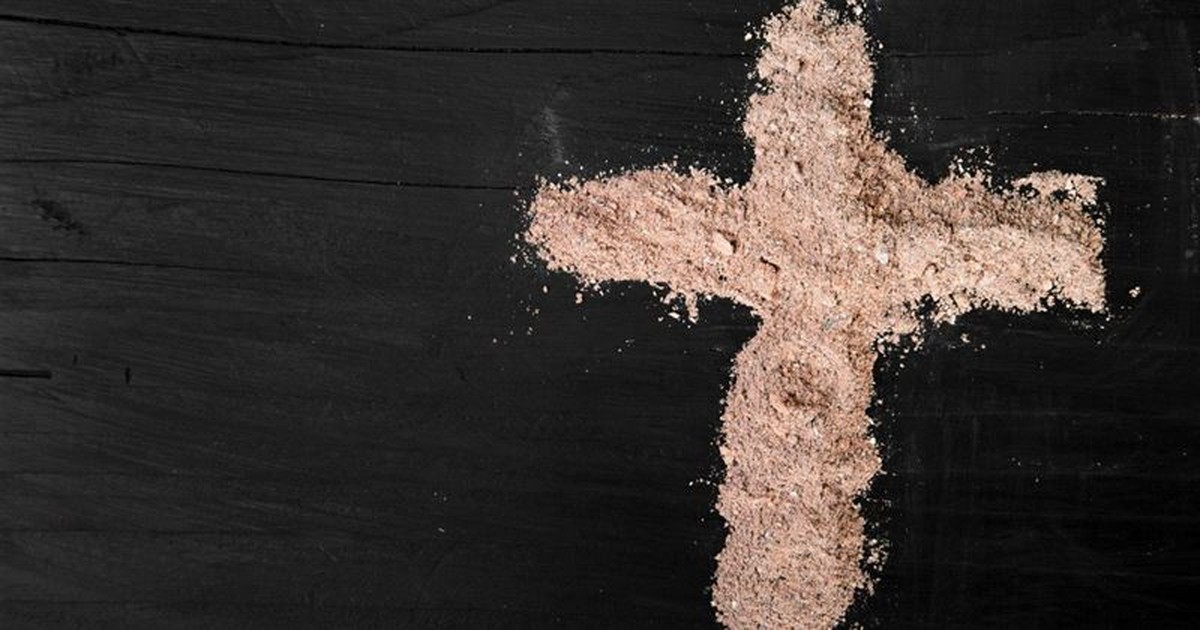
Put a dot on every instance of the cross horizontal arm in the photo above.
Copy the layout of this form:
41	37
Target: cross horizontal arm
651	225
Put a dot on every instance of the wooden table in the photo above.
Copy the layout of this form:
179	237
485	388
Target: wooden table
265	359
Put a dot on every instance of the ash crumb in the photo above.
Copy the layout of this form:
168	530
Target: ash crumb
1080	188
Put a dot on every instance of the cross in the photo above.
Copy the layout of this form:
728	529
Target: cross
831	241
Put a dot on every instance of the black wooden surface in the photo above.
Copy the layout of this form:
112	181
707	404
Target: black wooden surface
261	250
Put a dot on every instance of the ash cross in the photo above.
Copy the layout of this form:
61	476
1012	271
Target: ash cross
830	241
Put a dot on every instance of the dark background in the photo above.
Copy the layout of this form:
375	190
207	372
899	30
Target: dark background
265	360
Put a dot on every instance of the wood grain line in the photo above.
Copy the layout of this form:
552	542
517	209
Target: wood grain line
116	263
270	41
258	173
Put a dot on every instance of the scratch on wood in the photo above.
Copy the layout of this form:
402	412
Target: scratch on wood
44	374
57	214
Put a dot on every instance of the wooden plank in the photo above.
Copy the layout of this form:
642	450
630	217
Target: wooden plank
231	225
324	569
359	116
704	27
336	115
